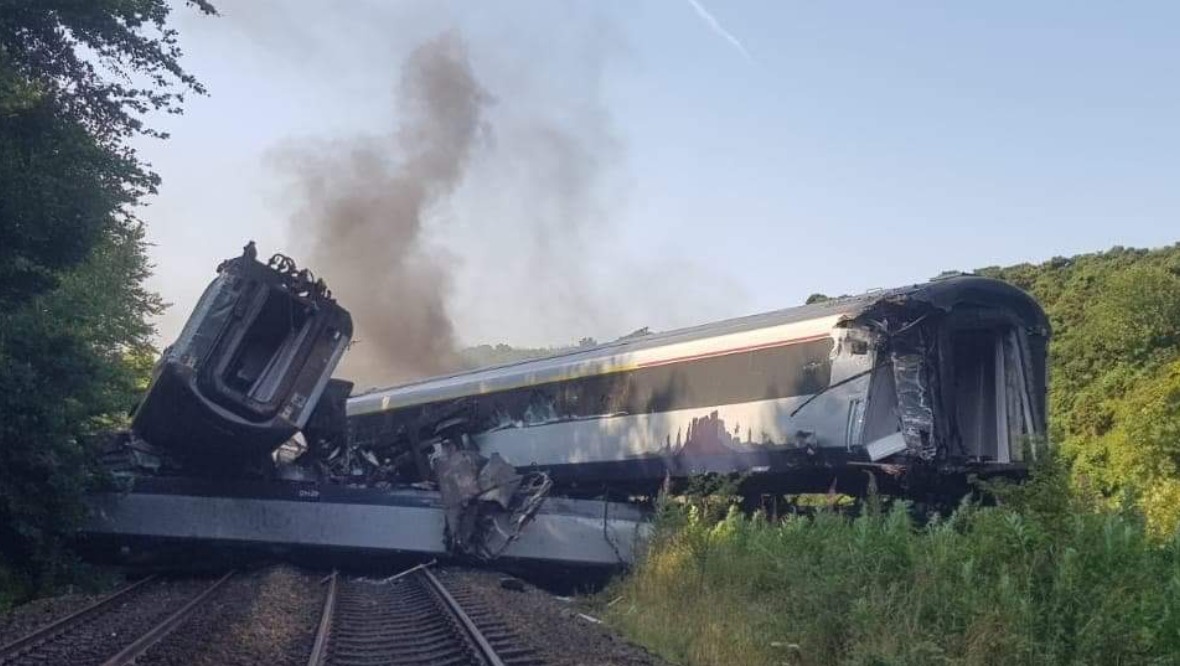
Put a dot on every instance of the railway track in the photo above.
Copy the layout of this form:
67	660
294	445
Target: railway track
413	619
115	630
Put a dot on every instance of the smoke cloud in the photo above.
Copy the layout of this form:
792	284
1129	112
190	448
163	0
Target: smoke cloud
545	192
486	213
363	207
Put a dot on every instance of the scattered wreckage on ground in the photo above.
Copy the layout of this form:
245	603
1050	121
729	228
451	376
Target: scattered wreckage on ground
243	437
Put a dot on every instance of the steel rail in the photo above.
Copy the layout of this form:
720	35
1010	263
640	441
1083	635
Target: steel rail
487	652
38	635
319	652
164	628
439	613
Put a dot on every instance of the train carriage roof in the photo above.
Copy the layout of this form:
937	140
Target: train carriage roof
942	293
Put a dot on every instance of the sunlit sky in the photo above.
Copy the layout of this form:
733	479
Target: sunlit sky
743	163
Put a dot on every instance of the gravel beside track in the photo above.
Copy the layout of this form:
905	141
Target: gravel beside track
27	618
104	635
267	617
548	624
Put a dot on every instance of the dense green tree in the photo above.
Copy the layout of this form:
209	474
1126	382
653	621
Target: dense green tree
1139	455
77	80
1114	393
55	202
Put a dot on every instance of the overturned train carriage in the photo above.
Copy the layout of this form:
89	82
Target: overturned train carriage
249	367
925	384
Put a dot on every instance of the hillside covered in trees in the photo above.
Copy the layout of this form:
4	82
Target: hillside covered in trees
1114	396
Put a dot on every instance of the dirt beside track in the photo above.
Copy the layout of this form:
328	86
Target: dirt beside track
261	618
127	619
27	618
555	627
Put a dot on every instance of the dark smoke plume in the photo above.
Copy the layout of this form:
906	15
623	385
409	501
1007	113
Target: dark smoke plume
362	213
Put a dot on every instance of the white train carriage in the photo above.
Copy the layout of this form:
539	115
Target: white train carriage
946	376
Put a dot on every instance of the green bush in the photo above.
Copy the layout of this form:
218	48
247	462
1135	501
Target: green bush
70	366
1035	580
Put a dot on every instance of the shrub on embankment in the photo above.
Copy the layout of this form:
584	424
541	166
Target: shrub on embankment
1036	580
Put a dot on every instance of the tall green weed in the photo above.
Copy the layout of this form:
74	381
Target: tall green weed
1036	579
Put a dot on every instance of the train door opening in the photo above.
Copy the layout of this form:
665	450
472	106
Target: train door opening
988	395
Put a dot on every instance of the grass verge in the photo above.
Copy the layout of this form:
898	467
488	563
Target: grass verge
1036	580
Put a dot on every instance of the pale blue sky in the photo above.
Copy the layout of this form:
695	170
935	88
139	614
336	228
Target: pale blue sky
860	145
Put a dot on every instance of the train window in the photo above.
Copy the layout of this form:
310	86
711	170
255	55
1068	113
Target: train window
791	370
763	374
266	348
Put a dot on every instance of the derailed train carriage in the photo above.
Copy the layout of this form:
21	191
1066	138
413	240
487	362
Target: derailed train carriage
249	367
915	388
925	384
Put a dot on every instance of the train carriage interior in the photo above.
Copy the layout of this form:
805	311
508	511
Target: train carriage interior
987	396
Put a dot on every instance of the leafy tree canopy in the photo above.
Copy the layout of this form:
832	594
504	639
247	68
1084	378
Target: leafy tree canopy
107	62
77	80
